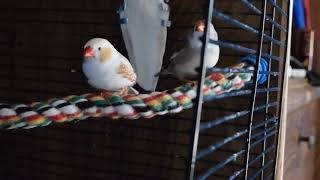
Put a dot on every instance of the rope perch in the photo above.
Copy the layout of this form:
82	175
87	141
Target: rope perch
76	108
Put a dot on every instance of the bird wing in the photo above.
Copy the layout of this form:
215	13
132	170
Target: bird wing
170	61
175	56
125	70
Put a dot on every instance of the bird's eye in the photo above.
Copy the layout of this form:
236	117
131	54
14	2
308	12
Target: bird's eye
99	48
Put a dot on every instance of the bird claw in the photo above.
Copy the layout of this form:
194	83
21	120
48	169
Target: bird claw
122	92
106	94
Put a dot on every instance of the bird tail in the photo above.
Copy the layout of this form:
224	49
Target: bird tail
133	91
165	70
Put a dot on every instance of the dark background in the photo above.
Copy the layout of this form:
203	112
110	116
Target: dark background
41	43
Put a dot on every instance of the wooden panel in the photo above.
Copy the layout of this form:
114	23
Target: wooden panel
315	14
299	160
302	118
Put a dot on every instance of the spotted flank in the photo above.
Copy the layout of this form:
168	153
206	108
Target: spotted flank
31	117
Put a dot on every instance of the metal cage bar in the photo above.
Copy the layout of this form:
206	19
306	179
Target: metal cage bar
255	79
230	117
287	59
278	8
269	131
243	26
204	152
268	85
199	98
240	48
232	158
253	127
239	172
253	8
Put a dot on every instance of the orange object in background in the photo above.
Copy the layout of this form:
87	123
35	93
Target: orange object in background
307	13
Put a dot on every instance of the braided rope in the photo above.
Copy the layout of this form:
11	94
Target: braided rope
76	108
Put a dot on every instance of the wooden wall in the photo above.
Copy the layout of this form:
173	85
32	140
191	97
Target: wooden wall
315	22
41	45
300	157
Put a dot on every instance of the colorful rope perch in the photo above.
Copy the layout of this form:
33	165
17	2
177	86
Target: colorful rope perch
76	108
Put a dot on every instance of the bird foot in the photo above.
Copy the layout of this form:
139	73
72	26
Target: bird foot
107	93
121	92
124	91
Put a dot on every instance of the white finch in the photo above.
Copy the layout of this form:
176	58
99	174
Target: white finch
106	68
185	63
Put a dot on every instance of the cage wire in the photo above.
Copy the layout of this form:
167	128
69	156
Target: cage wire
232	136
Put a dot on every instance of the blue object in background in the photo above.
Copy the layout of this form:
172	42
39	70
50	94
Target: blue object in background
263	66
298	14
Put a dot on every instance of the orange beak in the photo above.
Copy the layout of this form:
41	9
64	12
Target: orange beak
88	52
199	27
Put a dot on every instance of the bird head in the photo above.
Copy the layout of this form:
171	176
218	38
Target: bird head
98	49
199	26
198	32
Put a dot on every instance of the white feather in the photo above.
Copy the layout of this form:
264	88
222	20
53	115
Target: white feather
105	76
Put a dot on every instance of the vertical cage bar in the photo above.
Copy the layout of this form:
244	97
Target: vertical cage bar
268	86
286	61
254	91
197	110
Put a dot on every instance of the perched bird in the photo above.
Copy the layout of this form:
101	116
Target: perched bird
106	68
185	64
